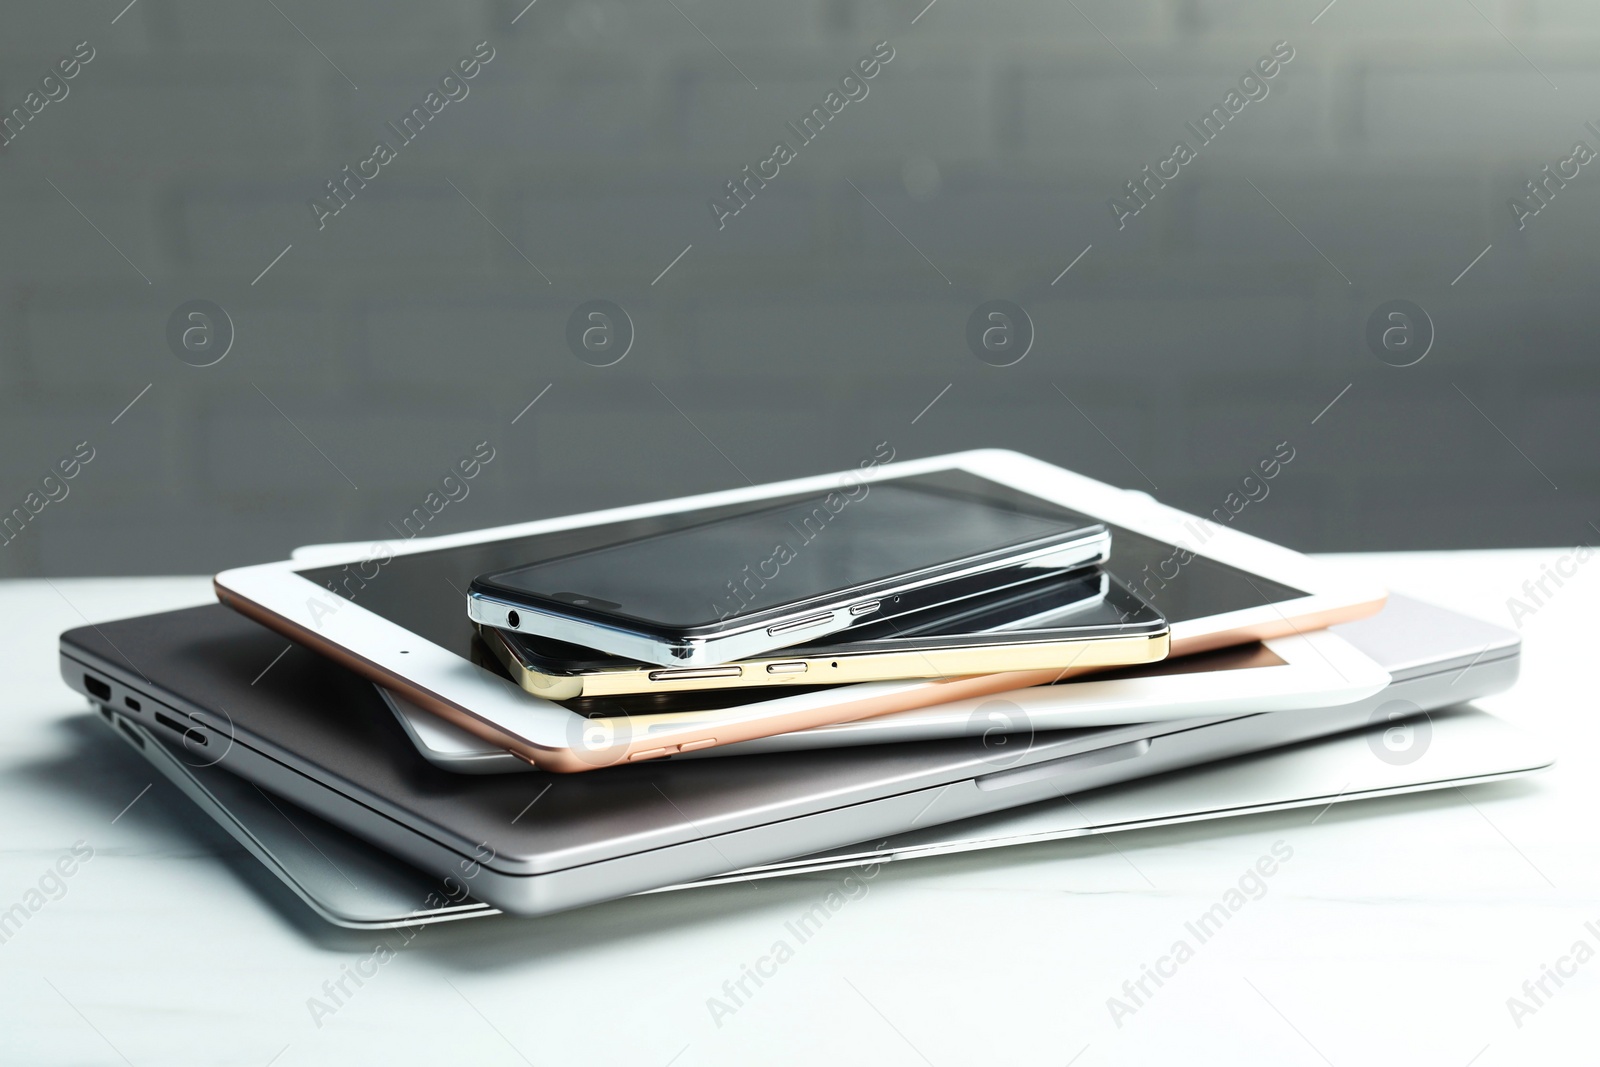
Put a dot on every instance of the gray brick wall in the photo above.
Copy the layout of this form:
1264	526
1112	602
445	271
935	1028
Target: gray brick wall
417	322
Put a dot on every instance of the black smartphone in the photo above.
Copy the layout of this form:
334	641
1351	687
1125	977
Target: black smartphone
777	575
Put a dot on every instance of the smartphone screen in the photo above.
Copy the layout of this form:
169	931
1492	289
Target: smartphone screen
827	544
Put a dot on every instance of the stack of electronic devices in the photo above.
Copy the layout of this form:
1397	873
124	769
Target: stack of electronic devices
910	658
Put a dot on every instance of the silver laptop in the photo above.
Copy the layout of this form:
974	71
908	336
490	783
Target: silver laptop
352	884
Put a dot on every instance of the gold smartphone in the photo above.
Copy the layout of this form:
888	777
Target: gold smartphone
1088	620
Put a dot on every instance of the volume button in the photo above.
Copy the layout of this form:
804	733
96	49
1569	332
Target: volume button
806	623
685	673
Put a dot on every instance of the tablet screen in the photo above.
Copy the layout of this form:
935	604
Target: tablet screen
426	592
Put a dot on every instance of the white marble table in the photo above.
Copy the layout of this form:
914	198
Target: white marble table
1395	934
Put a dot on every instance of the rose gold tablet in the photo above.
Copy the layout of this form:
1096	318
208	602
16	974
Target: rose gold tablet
396	611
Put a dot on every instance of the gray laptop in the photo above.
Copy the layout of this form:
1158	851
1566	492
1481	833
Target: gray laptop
320	736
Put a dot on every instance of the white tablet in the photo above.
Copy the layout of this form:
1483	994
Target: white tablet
1313	670
396	612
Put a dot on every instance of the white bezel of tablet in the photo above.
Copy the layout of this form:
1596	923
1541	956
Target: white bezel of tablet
276	590
1320	669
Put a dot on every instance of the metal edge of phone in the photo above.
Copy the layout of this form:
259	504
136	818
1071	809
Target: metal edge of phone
841	665
616	676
